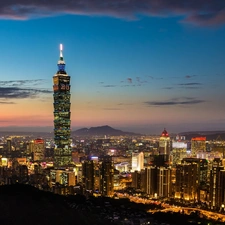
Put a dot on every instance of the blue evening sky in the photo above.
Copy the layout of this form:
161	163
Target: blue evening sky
142	73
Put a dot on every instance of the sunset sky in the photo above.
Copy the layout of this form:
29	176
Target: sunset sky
135	65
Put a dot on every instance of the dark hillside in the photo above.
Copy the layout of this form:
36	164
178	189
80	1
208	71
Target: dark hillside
23	204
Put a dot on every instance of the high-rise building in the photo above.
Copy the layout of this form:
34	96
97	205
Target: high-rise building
38	150
186	185
164	150
61	87
217	185
158	181
106	170
151	178
164	181
88	174
179	151
137	161
9	145
198	144
201	176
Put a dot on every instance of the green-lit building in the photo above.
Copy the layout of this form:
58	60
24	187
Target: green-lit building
61	88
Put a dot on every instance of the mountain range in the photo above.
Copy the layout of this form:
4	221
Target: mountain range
101	131
210	135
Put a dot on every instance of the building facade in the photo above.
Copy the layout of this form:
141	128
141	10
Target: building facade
106	171
137	161
88	173
38	150
198	144
164	149
62	122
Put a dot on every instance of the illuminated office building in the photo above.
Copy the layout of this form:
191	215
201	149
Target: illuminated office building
62	177
61	87
88	174
106	171
179	151
137	161
198	144
151	178
164	150
201	176
38	150
217	185
158	181
186	185
164	181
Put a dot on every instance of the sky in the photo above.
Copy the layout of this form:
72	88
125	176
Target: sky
135	65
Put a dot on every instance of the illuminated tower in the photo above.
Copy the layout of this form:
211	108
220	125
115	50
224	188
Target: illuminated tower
164	148
61	87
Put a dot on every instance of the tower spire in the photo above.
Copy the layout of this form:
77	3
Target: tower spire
61	62
61	51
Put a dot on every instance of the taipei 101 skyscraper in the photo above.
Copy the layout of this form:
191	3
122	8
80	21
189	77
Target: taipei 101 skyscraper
62	122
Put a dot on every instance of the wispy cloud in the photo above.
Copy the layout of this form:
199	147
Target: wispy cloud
175	101
129	80
190	76
190	84
21	82
6	103
109	85
16	92
201	12
20	89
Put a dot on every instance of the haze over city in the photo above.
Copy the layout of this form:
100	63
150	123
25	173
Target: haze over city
135	65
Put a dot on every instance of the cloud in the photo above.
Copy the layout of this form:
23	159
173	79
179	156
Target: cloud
6	103
20	89
21	82
190	76
20	93
200	12
168	88
155	78
190	84
193	85
175	101
129	80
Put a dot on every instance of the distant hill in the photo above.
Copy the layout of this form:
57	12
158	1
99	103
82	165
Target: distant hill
210	135
100	131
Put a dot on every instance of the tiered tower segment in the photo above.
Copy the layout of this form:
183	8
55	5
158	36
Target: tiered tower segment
61	88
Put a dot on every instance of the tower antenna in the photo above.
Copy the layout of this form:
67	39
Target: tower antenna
61	49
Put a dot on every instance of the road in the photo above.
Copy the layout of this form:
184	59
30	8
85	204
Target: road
172	208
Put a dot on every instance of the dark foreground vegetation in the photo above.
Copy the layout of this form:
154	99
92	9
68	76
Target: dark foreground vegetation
24	204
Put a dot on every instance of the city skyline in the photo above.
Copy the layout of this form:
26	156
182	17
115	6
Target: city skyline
137	66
